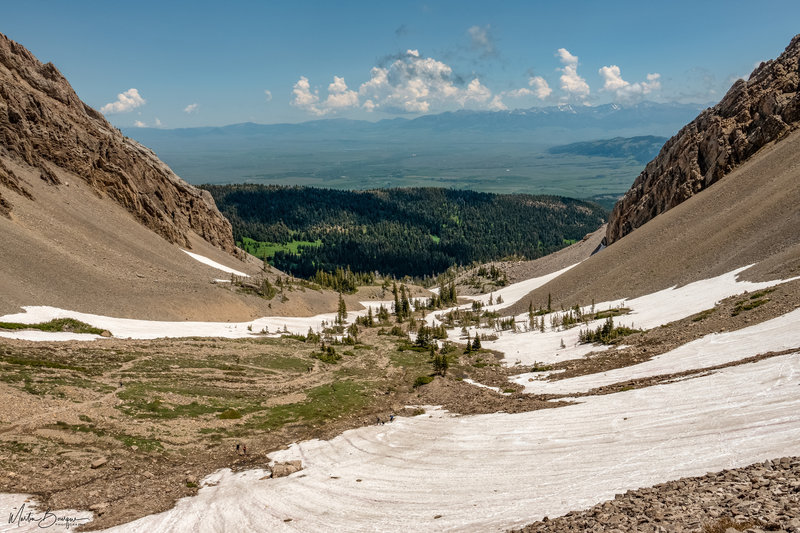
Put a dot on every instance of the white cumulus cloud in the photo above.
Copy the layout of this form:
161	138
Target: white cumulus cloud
540	87
139	124
411	83
127	101
339	96
497	104
304	98
191	108
612	78
624	90
268	95
575	86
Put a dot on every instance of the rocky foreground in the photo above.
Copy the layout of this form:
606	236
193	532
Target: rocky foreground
756	498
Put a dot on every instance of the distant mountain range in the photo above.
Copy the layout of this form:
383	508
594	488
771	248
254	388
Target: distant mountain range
492	151
575	122
642	149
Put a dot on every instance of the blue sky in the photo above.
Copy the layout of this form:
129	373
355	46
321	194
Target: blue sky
183	64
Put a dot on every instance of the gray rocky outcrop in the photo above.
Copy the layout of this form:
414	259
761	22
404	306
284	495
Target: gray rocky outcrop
760	497
44	125
752	114
286	468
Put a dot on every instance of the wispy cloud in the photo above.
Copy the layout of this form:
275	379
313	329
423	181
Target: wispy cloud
268	95
139	124
482	40
191	108
127	101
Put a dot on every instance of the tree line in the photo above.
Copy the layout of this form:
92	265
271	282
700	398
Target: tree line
416	232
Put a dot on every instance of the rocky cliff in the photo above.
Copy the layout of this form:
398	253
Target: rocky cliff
753	113
44	125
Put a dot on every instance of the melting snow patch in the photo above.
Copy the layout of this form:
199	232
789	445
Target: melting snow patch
152	329
778	334
205	260
496	389
647	312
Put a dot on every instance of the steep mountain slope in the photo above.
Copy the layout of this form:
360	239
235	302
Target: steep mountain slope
749	217
752	114
92	221
44	125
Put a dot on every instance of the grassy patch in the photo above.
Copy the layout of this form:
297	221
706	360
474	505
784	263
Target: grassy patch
277	362
422	380
702	315
747	305
617	311
230	414
267	250
139	402
323	403
409	359
60	324
142	444
41	363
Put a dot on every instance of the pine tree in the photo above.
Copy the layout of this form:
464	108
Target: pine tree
341	315
476	344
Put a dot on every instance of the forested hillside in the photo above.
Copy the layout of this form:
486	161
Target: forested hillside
414	232
642	149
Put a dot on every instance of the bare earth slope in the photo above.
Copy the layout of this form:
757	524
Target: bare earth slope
754	113
749	217
44	124
92	221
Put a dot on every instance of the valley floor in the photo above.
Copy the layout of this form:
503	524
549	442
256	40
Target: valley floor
710	386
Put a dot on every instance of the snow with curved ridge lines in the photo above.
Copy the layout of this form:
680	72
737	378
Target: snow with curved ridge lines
494	472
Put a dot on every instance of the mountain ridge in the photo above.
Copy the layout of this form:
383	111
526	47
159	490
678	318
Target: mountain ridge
520	115
752	114
44	125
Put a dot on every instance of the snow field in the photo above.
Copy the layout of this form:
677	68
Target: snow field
778	334
154	329
210	262
649	311
493	472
